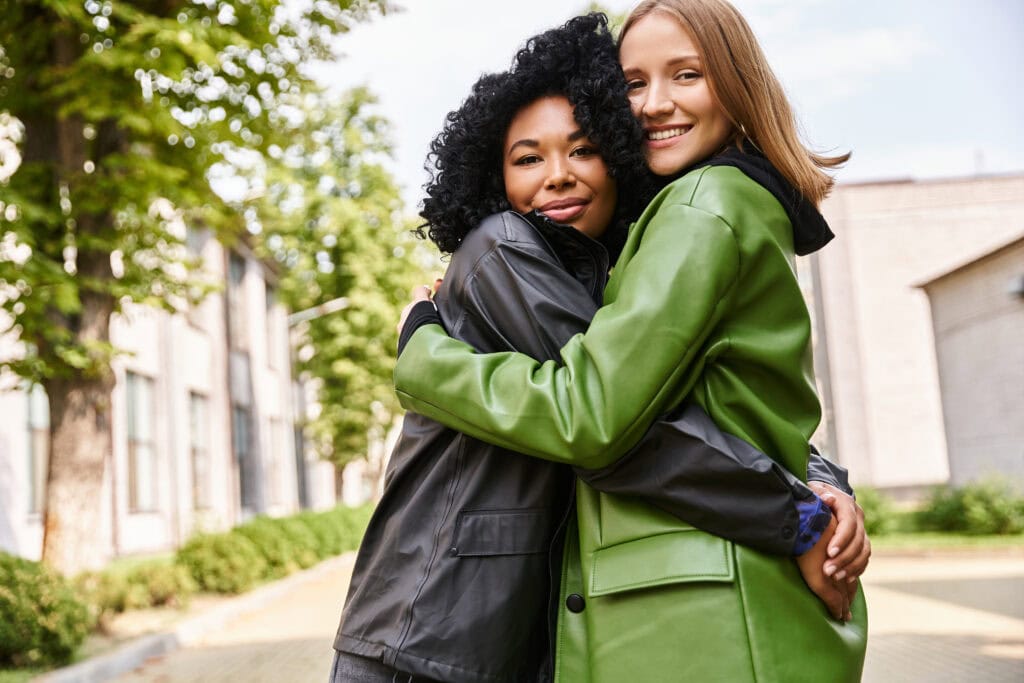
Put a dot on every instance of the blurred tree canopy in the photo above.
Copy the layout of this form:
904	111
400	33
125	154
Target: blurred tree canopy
122	112
330	214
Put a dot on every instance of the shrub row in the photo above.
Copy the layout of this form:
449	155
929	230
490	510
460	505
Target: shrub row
267	548
44	617
989	506
986	507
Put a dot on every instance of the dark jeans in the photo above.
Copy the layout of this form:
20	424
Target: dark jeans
354	669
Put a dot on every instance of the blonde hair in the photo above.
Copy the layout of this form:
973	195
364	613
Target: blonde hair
747	89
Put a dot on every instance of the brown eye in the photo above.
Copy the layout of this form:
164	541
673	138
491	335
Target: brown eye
526	160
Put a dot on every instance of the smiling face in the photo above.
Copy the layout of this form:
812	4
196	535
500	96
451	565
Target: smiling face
550	166
670	94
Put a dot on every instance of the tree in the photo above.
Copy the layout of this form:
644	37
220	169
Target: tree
330	214
126	107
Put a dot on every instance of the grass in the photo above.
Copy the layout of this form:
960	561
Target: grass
944	540
19	675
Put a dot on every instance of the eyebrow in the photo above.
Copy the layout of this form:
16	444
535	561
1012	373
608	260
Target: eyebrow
527	142
675	61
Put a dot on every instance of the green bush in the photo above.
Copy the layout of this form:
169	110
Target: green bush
223	563
986	507
164	584
878	510
152	584
330	536
304	542
351	521
41	620
274	545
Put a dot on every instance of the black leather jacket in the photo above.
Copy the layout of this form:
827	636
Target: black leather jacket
454	576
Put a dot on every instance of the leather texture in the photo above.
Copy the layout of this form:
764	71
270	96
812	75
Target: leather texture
703	303
466	533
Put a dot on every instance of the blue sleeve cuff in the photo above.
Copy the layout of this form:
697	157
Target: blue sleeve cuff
814	519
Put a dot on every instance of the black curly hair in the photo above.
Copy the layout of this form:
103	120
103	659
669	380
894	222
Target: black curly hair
579	61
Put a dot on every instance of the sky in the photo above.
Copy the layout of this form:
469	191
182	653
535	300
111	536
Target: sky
914	88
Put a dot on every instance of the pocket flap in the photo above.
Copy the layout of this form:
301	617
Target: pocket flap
502	532
677	557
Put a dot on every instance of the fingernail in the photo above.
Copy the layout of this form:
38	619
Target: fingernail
849	616
833	551
840	575
852	579
830	569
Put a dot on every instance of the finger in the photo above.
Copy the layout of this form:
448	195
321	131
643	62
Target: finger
846	527
437	285
858	566
421	293
849	555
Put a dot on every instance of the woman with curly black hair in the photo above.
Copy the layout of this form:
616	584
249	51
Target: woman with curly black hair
534	178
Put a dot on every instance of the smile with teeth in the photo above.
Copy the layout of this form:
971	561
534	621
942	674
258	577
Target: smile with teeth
668	133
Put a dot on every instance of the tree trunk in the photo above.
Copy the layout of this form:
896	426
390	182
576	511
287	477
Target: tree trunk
80	402
80	445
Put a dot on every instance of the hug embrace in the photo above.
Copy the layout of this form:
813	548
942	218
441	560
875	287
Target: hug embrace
605	474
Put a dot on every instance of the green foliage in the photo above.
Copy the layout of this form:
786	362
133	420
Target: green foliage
331	538
41	620
305	547
330	216
878	510
124	110
273	543
990	506
223	563
149	584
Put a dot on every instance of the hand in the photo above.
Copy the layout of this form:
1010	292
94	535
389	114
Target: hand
419	293
837	595
850	548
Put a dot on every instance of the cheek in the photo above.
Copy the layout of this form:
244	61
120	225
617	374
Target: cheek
517	193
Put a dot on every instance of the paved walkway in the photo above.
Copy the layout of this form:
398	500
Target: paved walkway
933	620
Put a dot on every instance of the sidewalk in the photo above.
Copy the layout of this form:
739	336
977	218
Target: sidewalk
945	618
933	619
286	640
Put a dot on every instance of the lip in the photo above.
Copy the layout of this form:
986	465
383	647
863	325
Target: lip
564	210
669	141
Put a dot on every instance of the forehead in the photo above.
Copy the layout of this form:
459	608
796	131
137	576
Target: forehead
656	37
547	116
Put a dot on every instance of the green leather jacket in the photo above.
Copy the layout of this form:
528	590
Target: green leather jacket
703	303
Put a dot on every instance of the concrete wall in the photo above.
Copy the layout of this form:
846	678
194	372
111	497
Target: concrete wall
979	337
885	392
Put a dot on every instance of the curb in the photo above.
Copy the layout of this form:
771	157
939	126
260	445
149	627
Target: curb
189	630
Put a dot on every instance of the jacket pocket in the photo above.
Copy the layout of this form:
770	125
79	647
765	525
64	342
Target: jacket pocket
481	533
684	556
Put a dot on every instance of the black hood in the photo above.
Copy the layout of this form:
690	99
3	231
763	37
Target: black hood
810	231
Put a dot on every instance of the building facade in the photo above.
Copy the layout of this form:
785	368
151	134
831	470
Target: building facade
978	322
889	419
203	427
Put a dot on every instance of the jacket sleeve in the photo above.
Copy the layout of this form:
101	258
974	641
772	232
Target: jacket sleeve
638	358
828	472
684	464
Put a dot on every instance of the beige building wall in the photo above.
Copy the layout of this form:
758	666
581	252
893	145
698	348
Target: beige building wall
881	363
978	318
177	356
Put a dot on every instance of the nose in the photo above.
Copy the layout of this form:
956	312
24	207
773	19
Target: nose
559	175
657	102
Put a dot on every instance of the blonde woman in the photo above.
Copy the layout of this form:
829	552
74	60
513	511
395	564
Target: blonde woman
703	305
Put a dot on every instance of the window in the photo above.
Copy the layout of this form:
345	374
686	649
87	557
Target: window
199	439
273	343
38	446
238	320
142	475
242	443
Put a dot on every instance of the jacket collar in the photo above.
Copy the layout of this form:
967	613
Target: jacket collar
810	230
